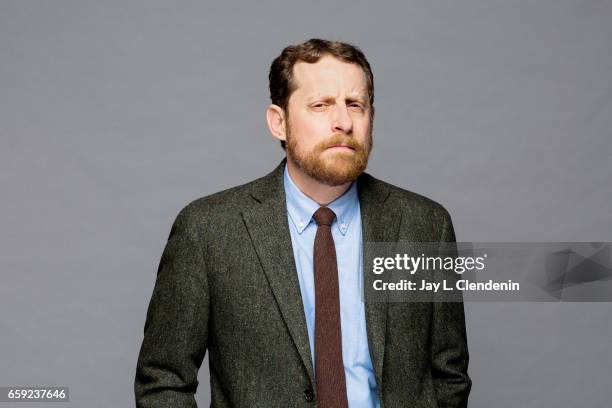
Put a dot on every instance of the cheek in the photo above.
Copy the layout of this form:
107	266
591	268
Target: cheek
362	125
362	131
309	130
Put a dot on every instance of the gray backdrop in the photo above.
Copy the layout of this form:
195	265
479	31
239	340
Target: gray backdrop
115	114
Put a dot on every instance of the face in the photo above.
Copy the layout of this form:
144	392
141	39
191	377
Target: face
329	128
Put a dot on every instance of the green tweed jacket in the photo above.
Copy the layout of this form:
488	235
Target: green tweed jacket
227	284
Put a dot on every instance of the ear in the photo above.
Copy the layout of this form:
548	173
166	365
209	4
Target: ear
275	116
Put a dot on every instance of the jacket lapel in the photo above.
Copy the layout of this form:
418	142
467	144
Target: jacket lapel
380	223
268	228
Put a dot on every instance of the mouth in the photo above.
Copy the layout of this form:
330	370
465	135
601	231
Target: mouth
341	147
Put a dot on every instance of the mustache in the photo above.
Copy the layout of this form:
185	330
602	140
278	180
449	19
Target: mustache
337	140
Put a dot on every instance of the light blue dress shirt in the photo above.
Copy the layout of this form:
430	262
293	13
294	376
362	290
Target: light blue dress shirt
346	230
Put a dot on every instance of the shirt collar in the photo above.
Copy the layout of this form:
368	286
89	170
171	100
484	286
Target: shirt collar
301	207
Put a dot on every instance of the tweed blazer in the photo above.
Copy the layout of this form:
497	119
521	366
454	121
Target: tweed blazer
227	284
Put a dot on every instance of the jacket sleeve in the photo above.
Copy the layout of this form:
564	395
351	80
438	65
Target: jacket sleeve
176	327
449	351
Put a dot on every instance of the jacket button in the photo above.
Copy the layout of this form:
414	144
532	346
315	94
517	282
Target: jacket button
308	395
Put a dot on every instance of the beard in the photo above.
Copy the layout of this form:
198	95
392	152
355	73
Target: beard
332	168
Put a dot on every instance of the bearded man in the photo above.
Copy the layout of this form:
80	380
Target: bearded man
268	276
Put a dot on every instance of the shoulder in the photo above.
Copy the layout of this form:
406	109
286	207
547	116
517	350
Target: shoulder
403	198
216	208
419	211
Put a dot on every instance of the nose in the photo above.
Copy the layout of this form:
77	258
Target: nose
341	120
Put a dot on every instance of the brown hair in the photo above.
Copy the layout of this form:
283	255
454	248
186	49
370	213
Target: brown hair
280	77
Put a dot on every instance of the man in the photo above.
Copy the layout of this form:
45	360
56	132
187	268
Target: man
268	276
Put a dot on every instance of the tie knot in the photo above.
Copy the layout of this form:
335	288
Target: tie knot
324	216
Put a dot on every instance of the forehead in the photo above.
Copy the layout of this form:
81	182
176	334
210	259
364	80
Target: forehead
329	76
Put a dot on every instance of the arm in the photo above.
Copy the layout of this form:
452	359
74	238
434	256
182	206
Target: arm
449	352
176	327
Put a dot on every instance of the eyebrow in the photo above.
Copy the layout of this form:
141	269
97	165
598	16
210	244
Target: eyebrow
353	97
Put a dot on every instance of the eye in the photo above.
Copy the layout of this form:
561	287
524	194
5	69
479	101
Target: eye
356	106
319	106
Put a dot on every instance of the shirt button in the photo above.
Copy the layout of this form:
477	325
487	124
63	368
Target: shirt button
308	395
301	224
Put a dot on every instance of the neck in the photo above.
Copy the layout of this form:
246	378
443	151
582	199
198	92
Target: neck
319	192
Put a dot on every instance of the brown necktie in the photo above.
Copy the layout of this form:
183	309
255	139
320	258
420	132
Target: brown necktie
329	369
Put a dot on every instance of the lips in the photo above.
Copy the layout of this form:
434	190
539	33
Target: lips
345	146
